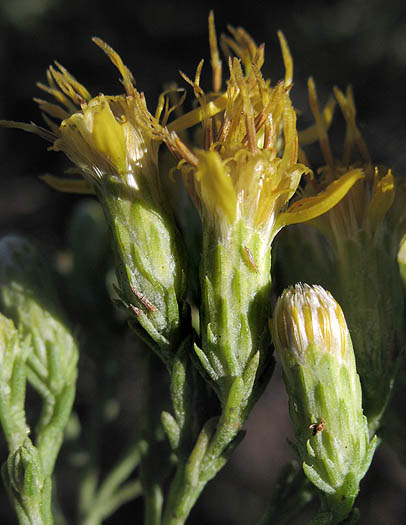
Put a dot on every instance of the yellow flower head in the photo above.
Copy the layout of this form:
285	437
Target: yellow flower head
103	136
372	199
247	168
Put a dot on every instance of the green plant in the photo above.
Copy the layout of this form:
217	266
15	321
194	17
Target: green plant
203	336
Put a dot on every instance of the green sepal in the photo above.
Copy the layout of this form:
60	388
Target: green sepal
249	376
205	363
313	475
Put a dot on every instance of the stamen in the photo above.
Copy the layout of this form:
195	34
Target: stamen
287	59
179	149
79	88
269	134
216	64
128	79
352	135
53	110
208	134
223	131
251	136
321	127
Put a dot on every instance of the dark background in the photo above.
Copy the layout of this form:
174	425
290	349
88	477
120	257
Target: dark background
359	42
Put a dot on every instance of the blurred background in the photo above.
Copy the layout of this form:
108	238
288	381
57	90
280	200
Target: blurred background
361	42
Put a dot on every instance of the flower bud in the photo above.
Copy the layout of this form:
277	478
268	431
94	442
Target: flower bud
25	470
314	346
27	487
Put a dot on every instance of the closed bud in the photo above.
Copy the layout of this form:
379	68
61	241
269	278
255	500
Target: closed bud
325	401
26	484
24	470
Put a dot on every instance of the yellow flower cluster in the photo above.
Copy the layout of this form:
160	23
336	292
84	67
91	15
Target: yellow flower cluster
248	166
368	202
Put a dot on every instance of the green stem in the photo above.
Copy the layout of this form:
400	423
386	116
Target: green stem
46	504
153	500
106	508
105	378
126	493
212	450
110	495
182	497
122	470
154	463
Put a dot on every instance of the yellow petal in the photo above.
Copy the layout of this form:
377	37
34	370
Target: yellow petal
312	207
382	200
198	115
31	128
216	188
108	135
80	186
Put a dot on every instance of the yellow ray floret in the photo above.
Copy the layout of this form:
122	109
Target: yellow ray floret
309	208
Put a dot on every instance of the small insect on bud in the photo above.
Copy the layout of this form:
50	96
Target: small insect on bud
314	346
318	427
